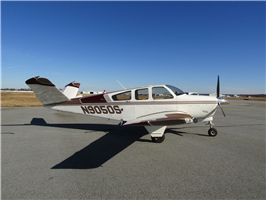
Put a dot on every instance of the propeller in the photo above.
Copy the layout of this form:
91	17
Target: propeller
220	100
218	88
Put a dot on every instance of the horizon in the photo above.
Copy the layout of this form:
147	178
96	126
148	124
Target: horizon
30	90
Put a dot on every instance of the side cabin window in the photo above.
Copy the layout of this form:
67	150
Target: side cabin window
159	93
175	90
142	94
124	96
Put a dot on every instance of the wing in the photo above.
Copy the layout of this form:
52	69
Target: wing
163	120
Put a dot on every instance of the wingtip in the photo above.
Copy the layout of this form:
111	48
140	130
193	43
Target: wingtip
32	80
39	81
73	84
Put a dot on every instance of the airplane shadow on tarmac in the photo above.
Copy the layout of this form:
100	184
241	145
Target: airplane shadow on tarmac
102	149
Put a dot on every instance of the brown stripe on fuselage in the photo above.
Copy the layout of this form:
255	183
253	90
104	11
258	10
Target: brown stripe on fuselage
163	122
172	119
196	102
92	101
179	116
155	113
98	98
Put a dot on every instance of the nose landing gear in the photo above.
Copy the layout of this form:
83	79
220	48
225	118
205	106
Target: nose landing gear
212	131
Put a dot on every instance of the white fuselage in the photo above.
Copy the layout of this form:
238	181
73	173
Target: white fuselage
133	110
154	107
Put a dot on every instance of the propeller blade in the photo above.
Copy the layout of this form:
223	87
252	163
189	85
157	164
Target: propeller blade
218	96
218	88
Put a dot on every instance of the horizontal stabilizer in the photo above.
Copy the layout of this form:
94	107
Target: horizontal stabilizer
46	91
71	90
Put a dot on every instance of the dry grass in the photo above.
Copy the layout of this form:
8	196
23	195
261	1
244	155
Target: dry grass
19	99
245	98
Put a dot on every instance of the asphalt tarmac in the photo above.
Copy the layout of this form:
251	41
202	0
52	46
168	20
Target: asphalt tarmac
53	155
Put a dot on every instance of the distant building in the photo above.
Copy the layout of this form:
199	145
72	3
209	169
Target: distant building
201	94
91	92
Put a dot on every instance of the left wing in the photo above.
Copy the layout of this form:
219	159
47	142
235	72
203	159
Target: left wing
165	120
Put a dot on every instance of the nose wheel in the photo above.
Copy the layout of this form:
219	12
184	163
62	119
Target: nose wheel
212	131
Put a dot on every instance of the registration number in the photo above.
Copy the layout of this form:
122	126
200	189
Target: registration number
101	109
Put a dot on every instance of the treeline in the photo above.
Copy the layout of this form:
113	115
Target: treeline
13	89
246	95
253	95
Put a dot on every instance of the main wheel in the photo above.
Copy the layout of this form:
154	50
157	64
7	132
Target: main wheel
158	139
212	132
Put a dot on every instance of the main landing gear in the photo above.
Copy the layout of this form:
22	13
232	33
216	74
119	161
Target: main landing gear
158	139
156	133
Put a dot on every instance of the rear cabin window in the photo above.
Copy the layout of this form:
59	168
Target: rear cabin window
122	96
142	94
159	93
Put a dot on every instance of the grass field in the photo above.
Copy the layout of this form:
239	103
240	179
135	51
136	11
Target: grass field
28	99
19	99
245	98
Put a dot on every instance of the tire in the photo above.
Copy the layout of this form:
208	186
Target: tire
212	132
158	139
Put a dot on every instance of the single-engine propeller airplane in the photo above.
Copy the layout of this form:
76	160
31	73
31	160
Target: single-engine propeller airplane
154	107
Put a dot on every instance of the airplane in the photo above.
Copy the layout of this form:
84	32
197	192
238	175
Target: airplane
154	107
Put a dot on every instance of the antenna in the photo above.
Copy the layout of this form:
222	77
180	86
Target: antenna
121	85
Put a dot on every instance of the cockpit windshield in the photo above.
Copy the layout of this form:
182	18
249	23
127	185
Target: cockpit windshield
175	90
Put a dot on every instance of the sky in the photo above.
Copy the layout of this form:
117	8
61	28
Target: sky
185	44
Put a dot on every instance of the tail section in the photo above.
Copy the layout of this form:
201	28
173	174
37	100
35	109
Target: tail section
71	90
46	91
